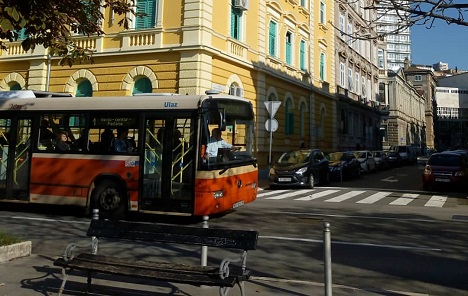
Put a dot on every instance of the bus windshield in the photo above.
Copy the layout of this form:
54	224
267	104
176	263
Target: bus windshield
227	133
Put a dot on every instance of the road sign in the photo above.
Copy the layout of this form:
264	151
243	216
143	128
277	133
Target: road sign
272	107
271	125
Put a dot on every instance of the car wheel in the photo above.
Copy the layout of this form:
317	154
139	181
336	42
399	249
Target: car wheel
311	181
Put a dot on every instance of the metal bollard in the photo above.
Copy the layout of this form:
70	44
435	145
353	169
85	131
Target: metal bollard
94	240
327	258
204	249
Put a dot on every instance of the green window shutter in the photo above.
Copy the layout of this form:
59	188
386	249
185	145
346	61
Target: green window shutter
322	66
21	34
288	48
149	8
302	55
235	23
272	39
84	89
142	85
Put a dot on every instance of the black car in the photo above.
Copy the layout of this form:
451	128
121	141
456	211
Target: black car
394	159
303	168
343	165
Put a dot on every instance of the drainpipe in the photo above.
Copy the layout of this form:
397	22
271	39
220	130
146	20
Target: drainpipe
49	59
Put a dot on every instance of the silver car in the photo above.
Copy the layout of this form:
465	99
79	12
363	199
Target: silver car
366	160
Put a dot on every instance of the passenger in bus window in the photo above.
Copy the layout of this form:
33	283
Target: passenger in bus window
46	133
62	142
46	136
81	144
122	143
107	137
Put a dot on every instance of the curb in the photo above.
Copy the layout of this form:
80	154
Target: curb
10	252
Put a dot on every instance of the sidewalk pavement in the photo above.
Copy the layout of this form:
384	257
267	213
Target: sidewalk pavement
36	275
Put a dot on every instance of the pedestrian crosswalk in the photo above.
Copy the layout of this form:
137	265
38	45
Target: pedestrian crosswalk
339	195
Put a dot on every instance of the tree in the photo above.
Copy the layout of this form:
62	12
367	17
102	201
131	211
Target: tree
52	23
418	12
411	12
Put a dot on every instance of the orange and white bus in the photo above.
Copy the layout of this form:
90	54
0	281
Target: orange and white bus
162	170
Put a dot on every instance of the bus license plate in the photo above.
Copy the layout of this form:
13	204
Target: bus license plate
284	179
238	204
442	180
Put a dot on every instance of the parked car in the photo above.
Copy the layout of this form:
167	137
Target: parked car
394	159
422	159
381	160
343	165
367	161
446	169
304	168
408	153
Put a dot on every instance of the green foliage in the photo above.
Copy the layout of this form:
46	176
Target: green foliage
52	23
7	239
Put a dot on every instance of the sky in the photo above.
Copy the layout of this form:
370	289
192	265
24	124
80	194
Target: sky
441	43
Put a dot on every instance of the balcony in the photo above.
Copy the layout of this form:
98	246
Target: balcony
141	39
236	48
15	51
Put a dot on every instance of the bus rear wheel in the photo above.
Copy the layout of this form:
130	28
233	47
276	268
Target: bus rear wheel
110	200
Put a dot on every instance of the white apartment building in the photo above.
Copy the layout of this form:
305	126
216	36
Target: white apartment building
398	39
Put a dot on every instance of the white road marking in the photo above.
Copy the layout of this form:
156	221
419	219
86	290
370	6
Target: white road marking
374	198
316	195
286	195
345	196
272	192
436	201
404	199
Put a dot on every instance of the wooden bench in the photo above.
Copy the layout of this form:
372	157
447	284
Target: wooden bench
224	276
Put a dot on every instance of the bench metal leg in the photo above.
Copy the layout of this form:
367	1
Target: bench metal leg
89	282
65	277
224	291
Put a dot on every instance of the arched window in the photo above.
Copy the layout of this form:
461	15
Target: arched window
84	89
142	85
15	86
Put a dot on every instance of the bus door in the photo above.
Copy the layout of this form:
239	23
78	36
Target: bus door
168	169
15	148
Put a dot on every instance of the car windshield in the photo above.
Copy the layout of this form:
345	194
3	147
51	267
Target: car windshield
445	160
336	156
295	157
360	154
377	154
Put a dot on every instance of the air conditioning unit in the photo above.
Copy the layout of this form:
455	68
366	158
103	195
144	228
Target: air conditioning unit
240	92
236	91
241	4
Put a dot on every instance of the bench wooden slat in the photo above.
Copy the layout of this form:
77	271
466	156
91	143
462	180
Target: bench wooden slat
211	237
149	270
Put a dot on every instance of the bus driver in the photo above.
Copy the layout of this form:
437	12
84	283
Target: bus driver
215	143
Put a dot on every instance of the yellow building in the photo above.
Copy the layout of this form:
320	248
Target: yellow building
278	50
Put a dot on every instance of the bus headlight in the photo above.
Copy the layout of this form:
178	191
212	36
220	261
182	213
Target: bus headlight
218	194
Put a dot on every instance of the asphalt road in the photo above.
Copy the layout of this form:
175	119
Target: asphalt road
414	248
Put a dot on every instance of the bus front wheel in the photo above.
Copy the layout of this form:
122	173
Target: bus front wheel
110	200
